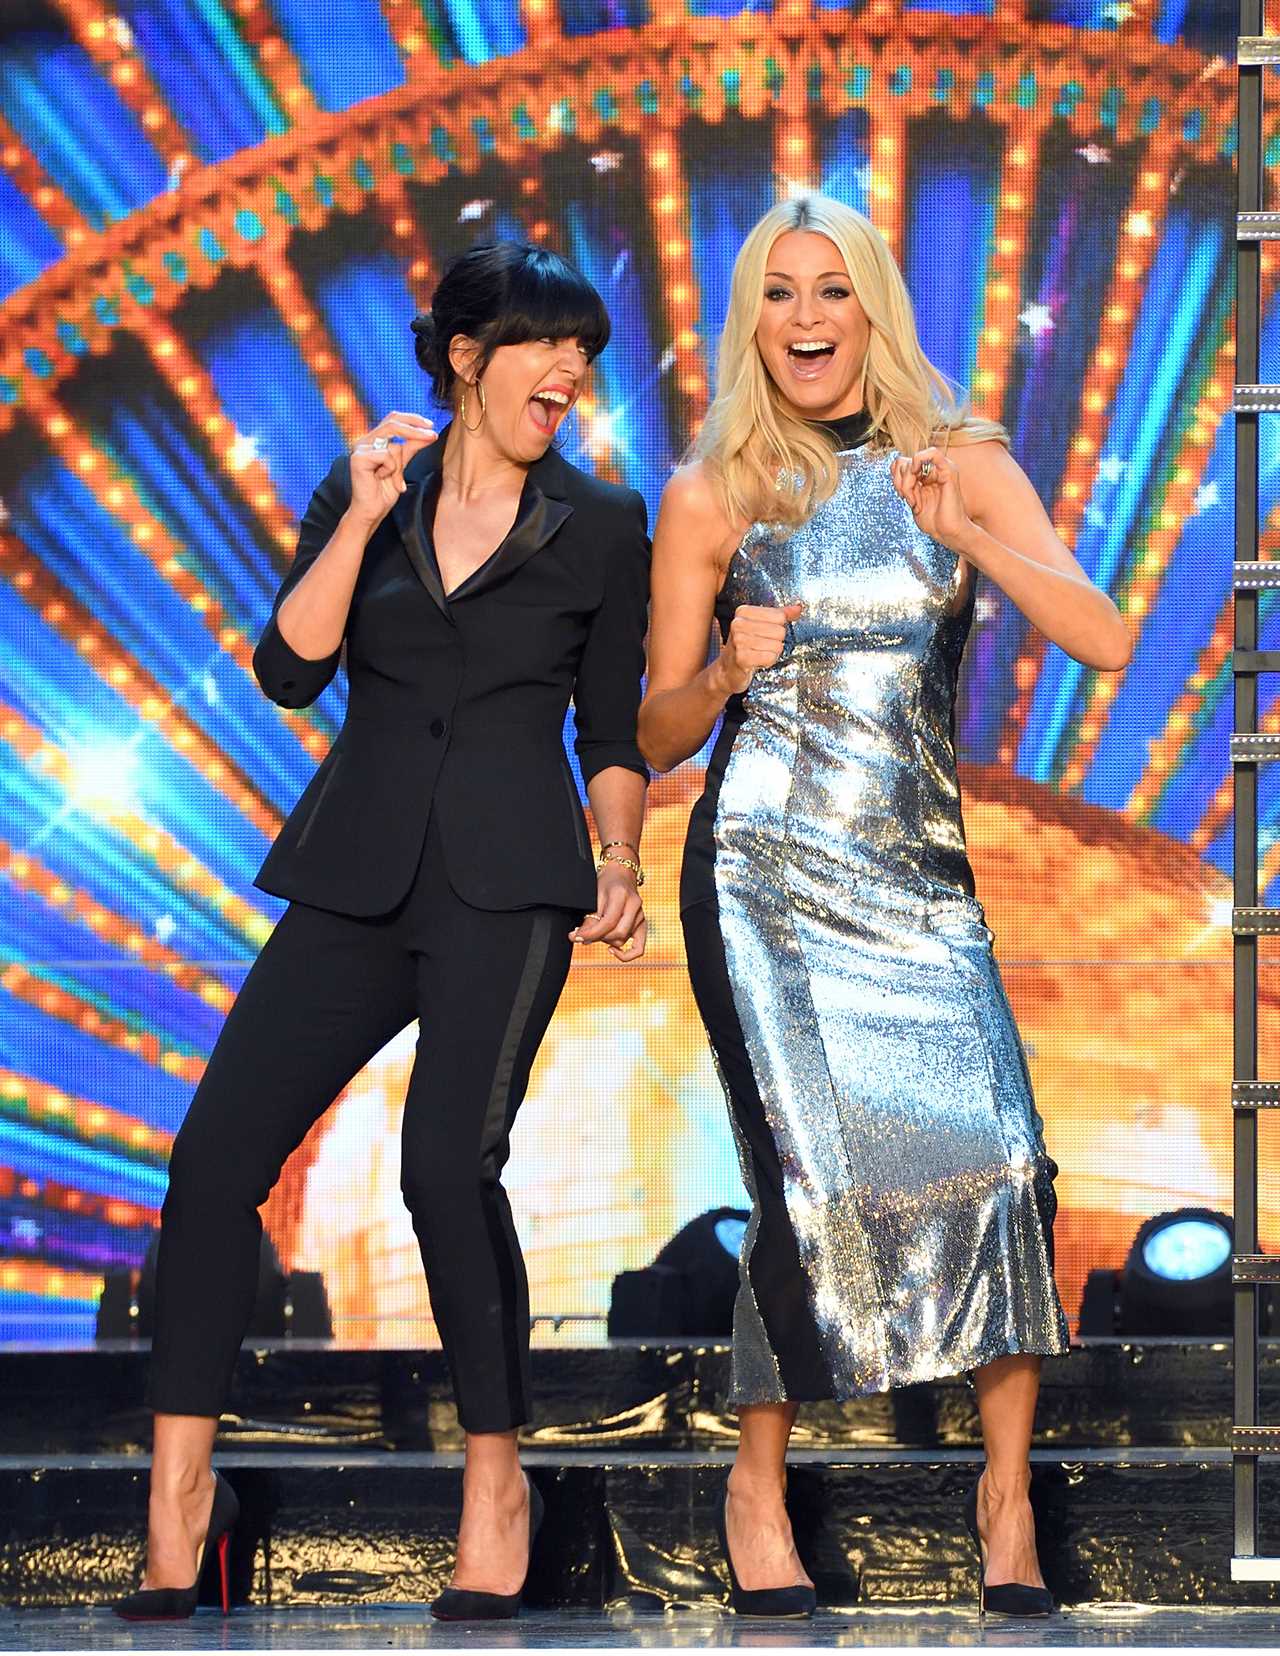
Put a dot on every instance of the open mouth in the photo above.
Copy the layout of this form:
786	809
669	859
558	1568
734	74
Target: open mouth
548	407
811	348
810	356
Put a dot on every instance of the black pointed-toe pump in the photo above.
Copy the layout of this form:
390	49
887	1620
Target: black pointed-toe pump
177	1603
779	1603
1010	1598
462	1604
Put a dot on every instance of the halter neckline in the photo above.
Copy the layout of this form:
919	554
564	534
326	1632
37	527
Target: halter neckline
849	431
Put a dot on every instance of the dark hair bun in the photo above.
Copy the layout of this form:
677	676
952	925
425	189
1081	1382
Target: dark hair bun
425	343
505	293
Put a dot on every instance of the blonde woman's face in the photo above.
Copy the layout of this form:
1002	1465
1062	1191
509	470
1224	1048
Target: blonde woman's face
812	334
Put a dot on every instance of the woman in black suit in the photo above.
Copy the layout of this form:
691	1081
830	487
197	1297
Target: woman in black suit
438	867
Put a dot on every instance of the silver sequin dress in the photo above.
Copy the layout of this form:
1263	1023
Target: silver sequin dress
909	1151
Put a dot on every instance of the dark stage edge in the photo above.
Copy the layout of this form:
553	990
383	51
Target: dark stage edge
370	1627
875	1527
629	1395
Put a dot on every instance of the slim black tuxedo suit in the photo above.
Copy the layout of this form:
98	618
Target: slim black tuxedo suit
459	703
435	866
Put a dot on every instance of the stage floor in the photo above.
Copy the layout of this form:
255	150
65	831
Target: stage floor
409	1627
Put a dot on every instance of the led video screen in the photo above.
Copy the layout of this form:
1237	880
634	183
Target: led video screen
217	218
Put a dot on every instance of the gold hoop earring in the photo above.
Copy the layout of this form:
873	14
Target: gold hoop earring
462	408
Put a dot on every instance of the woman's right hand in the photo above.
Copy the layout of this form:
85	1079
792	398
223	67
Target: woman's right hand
757	637
377	472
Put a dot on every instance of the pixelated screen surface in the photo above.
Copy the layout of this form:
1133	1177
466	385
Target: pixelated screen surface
217	218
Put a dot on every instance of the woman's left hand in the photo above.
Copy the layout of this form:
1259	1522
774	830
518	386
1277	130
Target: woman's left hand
935	498
619	918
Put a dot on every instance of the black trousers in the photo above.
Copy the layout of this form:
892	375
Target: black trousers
778	1279
326	994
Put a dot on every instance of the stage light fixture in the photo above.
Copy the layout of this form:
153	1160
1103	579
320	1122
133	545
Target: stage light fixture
293	1303
1187	1249
1176	1280
689	1290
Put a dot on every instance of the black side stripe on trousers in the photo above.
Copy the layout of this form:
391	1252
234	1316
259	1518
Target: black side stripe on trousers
498	1118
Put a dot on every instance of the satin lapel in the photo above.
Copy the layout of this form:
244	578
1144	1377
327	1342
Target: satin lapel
410	515
538	519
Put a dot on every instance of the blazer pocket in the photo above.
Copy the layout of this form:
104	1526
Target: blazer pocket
579	826
314	812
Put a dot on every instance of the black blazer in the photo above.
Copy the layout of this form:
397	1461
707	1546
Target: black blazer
458	703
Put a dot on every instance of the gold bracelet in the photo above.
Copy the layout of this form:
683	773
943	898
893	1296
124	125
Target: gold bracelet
610	845
622	862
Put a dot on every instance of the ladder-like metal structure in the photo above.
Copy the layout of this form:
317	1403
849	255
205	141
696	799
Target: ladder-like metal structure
1251	1270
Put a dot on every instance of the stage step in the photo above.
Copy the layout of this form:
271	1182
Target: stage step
626	1395
875	1527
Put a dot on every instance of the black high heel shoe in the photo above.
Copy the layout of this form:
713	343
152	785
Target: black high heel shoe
462	1604
177	1603
790	1603
1011	1598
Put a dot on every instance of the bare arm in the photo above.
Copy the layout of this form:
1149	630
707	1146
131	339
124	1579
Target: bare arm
979	502
313	617
617	803
685	695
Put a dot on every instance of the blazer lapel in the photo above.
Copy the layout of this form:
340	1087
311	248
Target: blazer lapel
410	516
543	509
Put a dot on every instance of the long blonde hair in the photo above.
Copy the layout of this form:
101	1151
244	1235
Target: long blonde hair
751	443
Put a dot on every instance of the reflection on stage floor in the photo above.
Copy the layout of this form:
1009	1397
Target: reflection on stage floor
410	1627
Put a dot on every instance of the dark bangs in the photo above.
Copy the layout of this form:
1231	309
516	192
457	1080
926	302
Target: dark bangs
545	298
506	293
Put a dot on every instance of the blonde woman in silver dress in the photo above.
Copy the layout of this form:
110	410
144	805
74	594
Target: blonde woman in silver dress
838	507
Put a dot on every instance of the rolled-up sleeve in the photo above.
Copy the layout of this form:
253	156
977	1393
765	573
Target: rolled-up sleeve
606	695
289	679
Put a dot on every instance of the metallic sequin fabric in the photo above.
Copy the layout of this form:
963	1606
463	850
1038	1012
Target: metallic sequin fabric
879	1033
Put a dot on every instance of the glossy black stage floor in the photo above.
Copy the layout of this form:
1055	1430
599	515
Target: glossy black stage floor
347	1467
374	1627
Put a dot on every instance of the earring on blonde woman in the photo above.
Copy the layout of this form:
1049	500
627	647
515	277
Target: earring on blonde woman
462	407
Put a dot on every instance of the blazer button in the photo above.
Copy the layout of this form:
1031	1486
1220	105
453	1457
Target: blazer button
437	727
288	684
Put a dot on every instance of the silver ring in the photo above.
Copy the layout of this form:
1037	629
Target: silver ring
380	443
926	468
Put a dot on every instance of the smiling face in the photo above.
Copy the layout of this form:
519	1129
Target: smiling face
812	334
529	388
